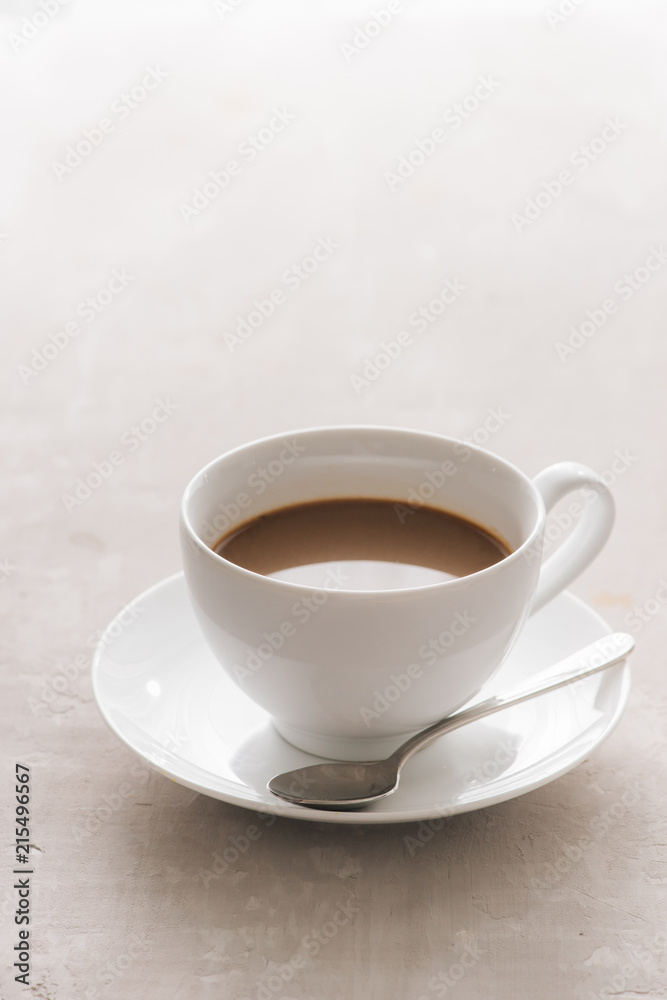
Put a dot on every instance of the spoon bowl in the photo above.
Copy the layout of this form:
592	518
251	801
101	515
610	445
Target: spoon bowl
348	785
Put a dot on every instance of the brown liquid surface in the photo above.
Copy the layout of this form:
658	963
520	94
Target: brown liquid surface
361	545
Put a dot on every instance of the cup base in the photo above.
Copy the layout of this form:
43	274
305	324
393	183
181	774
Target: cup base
341	748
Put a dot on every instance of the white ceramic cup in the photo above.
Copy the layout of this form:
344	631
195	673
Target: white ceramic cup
350	674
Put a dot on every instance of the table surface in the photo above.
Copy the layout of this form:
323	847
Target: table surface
169	166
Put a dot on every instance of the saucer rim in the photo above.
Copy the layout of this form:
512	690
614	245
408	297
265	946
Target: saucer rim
429	811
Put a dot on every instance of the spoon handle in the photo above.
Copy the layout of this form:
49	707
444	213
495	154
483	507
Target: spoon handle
598	656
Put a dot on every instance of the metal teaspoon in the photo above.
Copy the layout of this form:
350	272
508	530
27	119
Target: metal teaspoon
354	784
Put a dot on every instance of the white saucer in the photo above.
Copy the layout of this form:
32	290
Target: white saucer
165	696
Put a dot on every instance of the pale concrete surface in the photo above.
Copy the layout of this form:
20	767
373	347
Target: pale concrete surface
498	903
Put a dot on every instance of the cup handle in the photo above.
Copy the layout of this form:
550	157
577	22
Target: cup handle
591	531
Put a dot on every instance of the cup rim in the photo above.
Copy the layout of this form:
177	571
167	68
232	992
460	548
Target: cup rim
299	588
